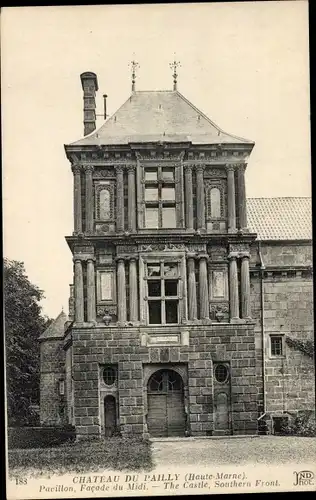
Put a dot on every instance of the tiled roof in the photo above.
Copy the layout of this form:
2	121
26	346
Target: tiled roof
151	116
280	218
57	328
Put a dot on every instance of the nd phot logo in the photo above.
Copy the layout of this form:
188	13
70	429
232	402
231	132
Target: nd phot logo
304	478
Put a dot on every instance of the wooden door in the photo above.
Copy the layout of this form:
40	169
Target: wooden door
109	415
166	415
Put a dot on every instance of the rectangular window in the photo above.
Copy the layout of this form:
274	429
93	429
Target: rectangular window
276	345
151	218
162	293
171	311
160	198
168	217
154	307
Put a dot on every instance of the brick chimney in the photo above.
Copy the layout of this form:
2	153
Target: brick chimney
89	84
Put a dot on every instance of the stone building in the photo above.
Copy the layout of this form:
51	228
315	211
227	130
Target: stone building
191	308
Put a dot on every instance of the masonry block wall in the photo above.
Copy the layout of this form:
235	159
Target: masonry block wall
229	343
287	311
52	406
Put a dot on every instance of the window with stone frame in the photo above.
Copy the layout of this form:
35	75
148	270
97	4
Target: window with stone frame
216	204
162	280
160	197
276	345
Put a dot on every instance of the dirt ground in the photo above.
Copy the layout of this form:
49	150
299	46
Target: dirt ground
235	450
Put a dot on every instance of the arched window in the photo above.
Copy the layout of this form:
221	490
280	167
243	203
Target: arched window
104	200
215	196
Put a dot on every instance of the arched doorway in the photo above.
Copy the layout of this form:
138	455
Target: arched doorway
166	414
110	424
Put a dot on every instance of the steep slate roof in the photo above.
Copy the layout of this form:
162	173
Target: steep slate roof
280	218
57	328
151	116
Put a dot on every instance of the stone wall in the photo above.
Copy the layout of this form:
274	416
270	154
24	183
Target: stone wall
287	254
52	407
232	343
288	311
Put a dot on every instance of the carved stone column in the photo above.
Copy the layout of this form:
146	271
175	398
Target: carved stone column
119	199
91	308
79	301
233	286
89	199
200	197
77	199
192	289
245	286
188	197
204	302
242	202
133	294
231	199
121	291
131	199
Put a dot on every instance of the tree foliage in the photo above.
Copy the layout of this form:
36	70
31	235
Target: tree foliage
24	323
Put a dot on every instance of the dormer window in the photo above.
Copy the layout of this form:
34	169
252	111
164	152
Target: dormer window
160	198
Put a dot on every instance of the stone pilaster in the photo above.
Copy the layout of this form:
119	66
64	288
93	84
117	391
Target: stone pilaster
133	294
89	199
131	199
121	291
242	201
233	286
79	301
231	199
76	169
200	197
188	197
119	199
204	302
192	289
91	307
245	286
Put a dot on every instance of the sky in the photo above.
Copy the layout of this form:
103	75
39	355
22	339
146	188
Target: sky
245	65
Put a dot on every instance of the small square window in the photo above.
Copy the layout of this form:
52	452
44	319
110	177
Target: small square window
168	174
276	343
151	174
153	269
168	194
170	270
154	288
171	288
151	193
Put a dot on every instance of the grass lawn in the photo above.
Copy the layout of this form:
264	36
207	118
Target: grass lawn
82	457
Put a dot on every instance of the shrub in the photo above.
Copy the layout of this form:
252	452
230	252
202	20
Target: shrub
39	437
302	425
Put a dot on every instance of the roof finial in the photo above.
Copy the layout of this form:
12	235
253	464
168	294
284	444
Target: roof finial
174	65
134	65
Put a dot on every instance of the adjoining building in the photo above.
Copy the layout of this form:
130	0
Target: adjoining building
191	310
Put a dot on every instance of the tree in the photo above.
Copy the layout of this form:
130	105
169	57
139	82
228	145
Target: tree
24	323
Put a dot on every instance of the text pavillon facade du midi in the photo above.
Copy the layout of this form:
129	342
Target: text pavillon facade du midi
160	340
